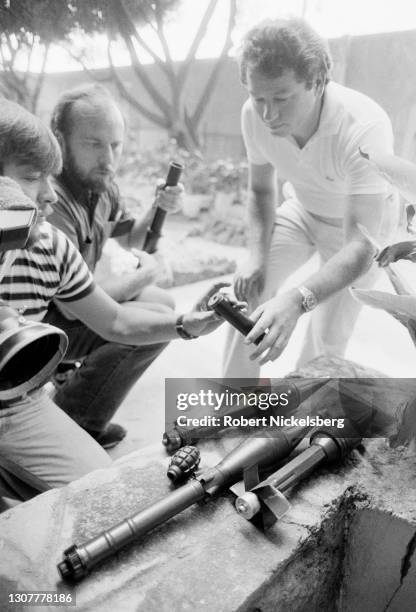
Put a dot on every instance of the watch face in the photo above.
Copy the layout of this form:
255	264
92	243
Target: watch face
309	301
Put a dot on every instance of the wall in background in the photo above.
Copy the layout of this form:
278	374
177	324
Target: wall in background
382	66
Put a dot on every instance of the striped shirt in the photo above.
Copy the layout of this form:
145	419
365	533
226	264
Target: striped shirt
51	269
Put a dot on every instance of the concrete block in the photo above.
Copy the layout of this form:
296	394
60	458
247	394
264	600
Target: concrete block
347	543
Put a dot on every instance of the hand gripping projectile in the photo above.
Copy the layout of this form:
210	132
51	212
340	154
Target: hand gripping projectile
229	311
265	502
297	391
154	231
254	453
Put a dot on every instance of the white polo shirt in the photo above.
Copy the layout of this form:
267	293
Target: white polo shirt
329	168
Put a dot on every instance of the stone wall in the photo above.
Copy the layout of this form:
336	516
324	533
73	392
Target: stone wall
379	65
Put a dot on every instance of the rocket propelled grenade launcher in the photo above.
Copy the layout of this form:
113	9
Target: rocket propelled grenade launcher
253	453
266	502
154	232
296	389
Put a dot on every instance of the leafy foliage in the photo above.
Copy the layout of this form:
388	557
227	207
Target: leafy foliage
200	175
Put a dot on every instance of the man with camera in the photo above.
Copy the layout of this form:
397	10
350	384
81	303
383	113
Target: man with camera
40	446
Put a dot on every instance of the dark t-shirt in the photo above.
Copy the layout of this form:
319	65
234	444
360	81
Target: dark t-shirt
89	219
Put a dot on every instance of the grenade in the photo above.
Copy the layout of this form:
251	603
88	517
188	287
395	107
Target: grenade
183	463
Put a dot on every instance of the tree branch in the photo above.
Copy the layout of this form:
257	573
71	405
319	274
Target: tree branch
40	80
210	85
169	67
91	73
125	28
190	56
157	119
140	40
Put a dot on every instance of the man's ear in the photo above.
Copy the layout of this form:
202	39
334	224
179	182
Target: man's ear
319	87
61	140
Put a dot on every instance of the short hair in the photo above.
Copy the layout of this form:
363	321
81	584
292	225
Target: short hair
92	93
25	139
274	46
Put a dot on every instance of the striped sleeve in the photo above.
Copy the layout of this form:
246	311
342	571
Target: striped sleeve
76	280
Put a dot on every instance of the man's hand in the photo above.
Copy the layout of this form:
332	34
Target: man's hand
169	198
202	304
147	265
201	321
249	281
277	317
394	252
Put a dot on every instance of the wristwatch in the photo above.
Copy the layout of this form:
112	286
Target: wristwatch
181	331
309	301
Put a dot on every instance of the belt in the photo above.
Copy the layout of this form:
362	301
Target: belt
10	402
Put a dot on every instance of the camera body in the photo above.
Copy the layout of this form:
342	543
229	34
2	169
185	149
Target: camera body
15	226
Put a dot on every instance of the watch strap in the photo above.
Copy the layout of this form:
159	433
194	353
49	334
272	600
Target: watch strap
181	331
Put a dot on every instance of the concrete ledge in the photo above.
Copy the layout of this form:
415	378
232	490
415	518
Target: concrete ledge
208	557
346	544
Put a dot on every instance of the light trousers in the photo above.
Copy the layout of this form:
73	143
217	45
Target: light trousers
296	237
41	448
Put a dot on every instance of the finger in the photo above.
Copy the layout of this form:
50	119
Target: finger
137	252
258	330
411	256
383	255
215	288
220	285
202	303
276	350
259	285
175	190
257	313
386	259
240	290
209	316
266	343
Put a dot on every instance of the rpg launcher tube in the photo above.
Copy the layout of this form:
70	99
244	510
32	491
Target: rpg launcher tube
222	305
262	452
297	389
154	232
267	497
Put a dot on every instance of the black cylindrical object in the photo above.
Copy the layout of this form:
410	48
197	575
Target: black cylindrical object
154	231
222	305
263	452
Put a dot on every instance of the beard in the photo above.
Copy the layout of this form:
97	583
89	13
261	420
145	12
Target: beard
92	180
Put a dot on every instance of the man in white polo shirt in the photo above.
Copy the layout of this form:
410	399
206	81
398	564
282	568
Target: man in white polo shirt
300	127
